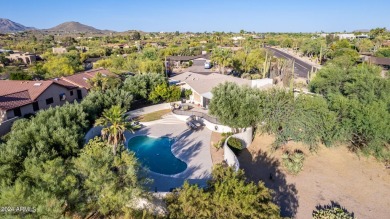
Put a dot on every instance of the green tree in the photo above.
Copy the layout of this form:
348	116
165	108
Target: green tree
163	92
96	101
364	45
228	195
136	35
359	96
235	106
113	186
102	83
223	58
58	66
385	53
115	123
141	85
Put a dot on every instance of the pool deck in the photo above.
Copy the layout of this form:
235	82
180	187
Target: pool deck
192	147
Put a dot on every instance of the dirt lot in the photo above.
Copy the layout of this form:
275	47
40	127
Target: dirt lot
359	184
216	154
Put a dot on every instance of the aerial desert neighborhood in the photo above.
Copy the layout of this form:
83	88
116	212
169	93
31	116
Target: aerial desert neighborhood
218	109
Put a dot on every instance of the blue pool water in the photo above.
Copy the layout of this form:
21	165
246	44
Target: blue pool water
156	154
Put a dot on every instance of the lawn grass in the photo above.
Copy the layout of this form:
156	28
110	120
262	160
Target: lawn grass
152	116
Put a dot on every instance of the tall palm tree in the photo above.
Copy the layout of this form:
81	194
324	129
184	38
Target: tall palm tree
115	123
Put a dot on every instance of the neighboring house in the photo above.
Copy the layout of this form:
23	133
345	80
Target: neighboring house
348	36
21	98
384	62
386	43
59	50
80	80
26	58
88	63
178	61
201	85
117	46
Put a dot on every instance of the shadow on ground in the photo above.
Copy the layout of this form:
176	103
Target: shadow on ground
262	167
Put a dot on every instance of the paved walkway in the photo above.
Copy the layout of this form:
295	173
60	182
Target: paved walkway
192	147
149	109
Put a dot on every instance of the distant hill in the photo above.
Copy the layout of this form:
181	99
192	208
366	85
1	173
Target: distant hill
8	26
73	26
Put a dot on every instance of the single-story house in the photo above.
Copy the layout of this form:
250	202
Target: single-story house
384	62
178	61
26	58
59	50
201	85
89	62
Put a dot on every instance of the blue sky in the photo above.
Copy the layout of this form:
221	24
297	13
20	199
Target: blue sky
201	15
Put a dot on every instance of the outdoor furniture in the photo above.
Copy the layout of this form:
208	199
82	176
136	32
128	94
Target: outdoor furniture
192	125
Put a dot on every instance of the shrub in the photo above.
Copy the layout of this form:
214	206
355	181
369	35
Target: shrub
332	213
235	144
187	93
293	162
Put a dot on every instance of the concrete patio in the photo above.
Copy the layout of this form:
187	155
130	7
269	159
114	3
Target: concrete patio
192	147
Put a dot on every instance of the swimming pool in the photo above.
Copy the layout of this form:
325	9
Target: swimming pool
156	154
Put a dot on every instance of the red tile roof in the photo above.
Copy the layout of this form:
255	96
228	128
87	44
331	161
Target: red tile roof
80	79
19	93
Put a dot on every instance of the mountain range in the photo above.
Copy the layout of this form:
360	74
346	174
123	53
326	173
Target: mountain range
8	26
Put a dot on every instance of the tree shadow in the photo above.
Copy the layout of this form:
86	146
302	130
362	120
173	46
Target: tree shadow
261	167
334	204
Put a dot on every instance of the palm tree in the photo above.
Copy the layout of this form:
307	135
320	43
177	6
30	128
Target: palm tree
98	82
223	58
115	123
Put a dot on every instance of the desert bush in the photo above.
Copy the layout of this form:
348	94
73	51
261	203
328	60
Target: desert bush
235	144
293	162
332	213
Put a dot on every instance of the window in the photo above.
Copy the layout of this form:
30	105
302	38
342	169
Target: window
62	97
49	101
35	106
71	93
17	112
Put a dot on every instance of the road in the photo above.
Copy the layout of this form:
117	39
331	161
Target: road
301	68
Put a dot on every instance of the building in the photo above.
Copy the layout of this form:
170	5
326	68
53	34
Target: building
383	62
80	80
178	61
59	50
88	63
341	36
201	85
22	98
26	58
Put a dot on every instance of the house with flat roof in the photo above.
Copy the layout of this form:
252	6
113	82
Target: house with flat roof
178	61
201	85
26	58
